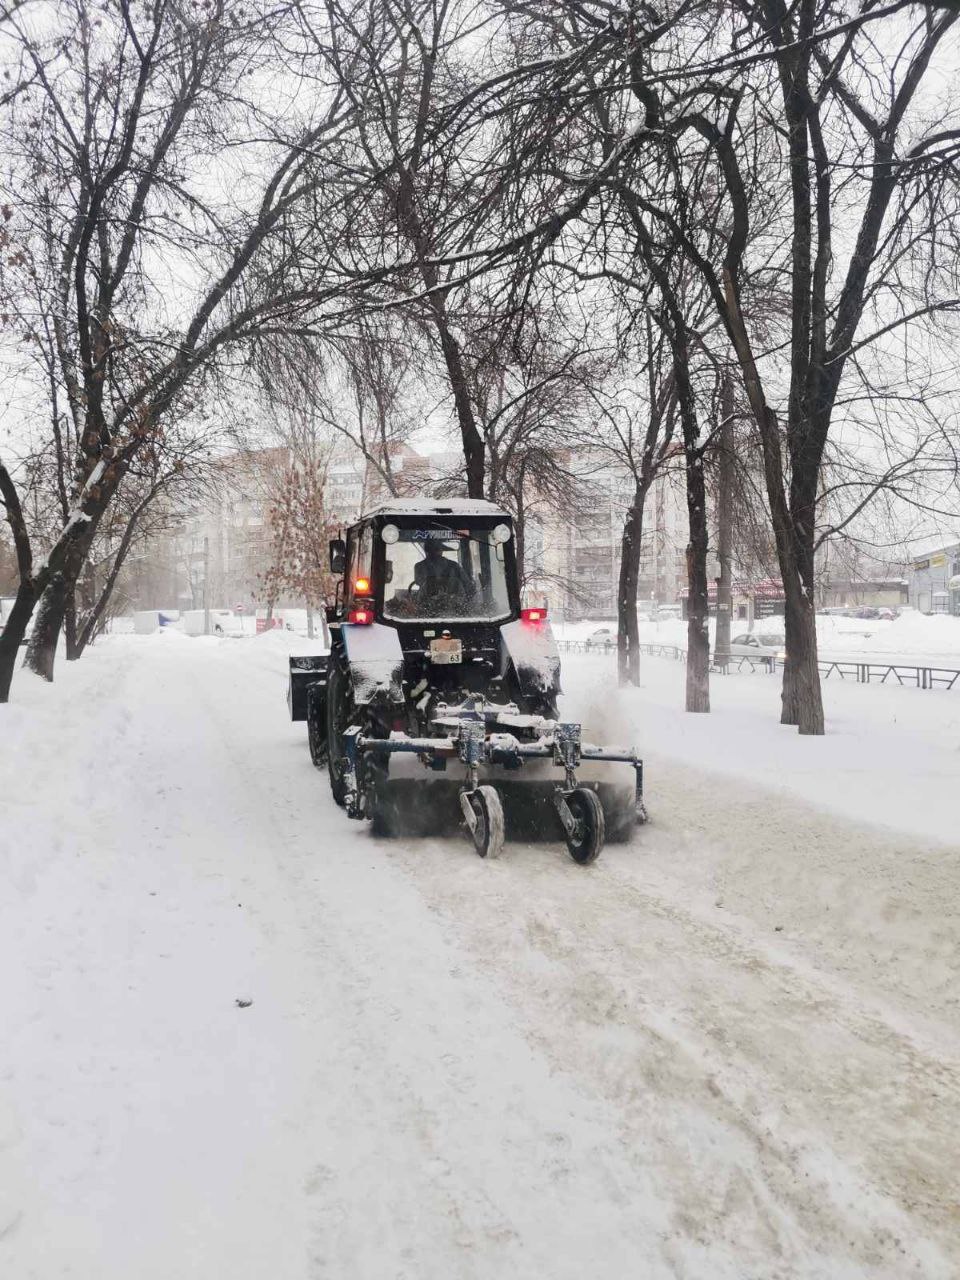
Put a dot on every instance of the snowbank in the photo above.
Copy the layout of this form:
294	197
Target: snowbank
911	638
914	633
891	755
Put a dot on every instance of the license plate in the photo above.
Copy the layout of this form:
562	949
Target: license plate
446	649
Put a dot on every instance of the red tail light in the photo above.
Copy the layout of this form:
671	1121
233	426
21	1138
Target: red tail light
362	617
534	615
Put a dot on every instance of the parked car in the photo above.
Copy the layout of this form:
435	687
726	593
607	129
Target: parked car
602	638
758	645
667	612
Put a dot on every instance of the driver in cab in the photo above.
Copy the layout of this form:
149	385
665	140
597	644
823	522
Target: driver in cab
441	582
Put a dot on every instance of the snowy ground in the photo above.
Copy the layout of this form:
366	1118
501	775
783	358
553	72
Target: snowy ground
730	1049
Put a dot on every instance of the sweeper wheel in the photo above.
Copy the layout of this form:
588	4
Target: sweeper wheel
586	840
488	832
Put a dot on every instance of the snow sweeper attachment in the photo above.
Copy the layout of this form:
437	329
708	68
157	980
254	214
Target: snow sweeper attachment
437	705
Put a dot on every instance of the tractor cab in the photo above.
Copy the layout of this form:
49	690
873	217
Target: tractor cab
436	585
416	564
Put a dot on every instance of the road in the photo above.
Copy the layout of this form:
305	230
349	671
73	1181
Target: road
723	1051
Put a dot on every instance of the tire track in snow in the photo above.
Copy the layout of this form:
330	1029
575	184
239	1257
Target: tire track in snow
836	1100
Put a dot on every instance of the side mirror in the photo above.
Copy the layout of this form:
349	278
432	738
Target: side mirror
338	555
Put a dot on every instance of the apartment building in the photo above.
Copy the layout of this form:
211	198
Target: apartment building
576	559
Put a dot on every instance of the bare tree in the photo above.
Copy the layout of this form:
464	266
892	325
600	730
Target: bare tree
363	385
301	527
439	174
176	466
535	365
638	434
126	104
804	118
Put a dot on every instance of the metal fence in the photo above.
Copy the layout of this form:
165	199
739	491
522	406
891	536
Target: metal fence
894	672
905	674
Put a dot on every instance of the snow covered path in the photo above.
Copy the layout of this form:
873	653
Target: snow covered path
730	1049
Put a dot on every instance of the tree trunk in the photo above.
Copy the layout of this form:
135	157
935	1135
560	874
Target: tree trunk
802	702
628	634
73	646
16	625
52	580
93	610
471	439
470	436
698	638
800	699
520	535
42	646
12	635
91	621
51	609
721	650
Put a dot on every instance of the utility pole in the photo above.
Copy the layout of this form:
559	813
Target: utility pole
206	580
721	648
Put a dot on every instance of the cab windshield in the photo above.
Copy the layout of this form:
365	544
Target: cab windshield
439	574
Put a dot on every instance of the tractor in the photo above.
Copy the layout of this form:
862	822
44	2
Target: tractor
436	666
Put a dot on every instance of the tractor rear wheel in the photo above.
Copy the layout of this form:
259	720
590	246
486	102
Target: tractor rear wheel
488	832
316	730
340	712
586	839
